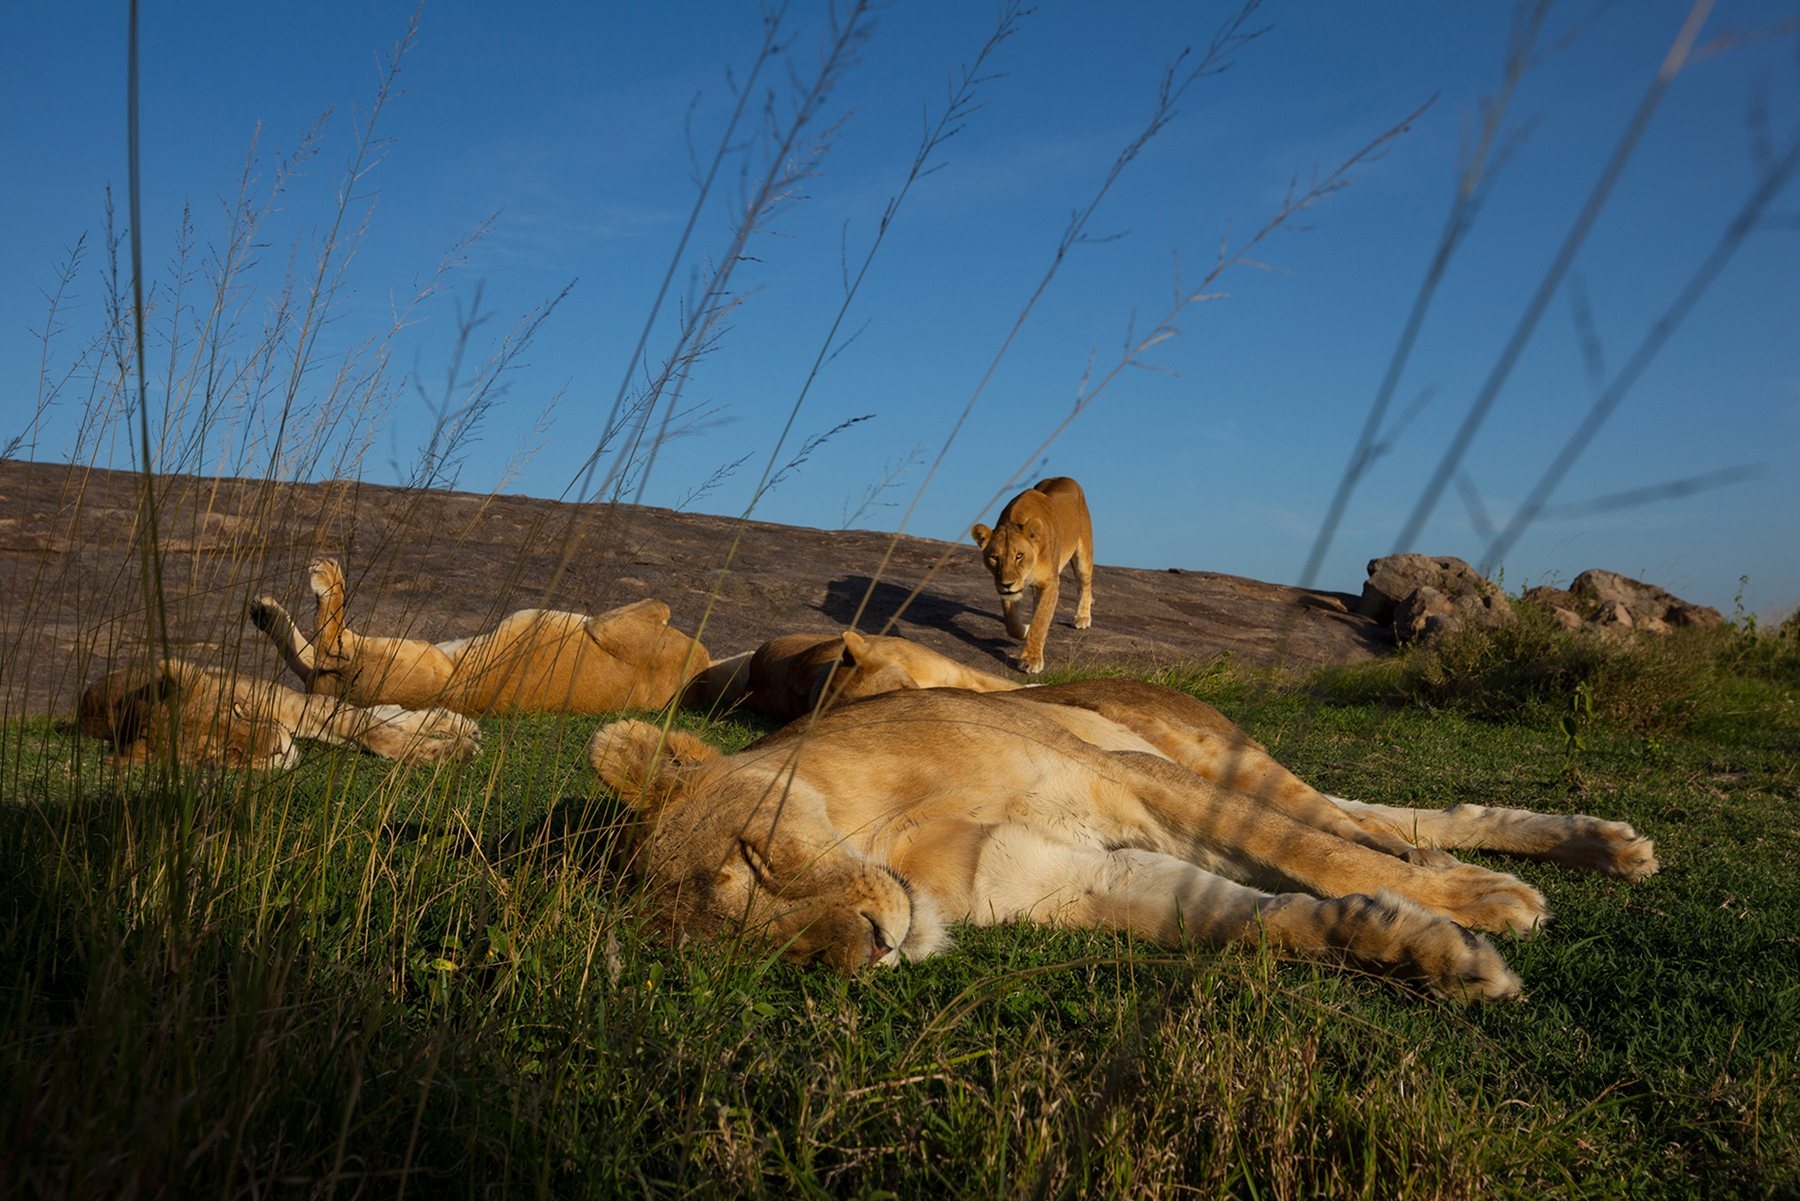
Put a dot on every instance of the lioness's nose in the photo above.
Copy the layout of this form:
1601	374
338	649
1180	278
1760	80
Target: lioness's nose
878	946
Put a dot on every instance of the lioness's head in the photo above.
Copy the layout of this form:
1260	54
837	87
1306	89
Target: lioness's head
146	712
863	665
1011	551
728	848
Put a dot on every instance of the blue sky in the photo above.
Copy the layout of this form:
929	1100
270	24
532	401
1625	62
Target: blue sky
570	125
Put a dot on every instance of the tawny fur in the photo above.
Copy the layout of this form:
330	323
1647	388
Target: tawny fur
1040	532
1205	741
220	718
852	839
790	676
537	660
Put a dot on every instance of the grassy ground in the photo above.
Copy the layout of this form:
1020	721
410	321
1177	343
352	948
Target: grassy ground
361	980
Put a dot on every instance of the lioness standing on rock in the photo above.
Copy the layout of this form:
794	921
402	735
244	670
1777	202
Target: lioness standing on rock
1039	531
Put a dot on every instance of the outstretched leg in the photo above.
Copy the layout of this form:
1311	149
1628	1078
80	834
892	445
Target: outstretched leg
1576	840
407	735
328	591
1236	835
320	662
296	650
1170	901
1206	742
1043	612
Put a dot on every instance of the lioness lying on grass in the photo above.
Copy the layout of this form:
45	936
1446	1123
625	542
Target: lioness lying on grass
230	720
853	839
790	676
537	660
1037	534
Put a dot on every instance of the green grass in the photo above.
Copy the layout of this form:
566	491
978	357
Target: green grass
359	979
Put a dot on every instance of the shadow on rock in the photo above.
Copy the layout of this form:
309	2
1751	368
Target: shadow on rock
888	605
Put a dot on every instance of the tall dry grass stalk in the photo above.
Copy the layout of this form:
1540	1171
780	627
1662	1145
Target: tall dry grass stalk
358	978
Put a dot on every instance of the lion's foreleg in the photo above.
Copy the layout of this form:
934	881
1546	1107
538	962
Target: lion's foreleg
1043	612
413	735
1010	607
1576	840
328	591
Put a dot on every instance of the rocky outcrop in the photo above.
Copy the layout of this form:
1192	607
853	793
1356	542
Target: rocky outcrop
439	565
1425	596
1609	601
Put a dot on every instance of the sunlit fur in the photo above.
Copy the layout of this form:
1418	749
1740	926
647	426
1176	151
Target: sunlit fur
1040	532
537	660
791	675
220	718
1080	804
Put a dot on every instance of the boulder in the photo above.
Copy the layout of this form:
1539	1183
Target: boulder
1649	607
1568	619
1425	613
1395	577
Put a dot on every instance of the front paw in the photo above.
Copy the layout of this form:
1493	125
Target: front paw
1031	665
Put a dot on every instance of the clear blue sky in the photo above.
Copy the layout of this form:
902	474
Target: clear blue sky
566	122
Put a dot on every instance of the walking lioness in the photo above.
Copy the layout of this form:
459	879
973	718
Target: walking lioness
854	838
1039	532
537	660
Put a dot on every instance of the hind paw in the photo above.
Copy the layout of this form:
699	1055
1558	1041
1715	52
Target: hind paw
326	575
266	613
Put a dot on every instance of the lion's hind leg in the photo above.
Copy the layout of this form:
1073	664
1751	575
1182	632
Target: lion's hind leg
1083	559
1258	843
1026	875
296	650
1572	840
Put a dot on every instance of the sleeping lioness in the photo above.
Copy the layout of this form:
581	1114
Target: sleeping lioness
791	675
852	840
224	719
537	660
1038	533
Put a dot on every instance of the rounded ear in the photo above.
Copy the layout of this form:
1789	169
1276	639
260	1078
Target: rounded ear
649	609
633	758
981	534
1034	529
856	647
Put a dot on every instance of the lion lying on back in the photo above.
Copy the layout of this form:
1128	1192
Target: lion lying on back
536	659
221	718
853	839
